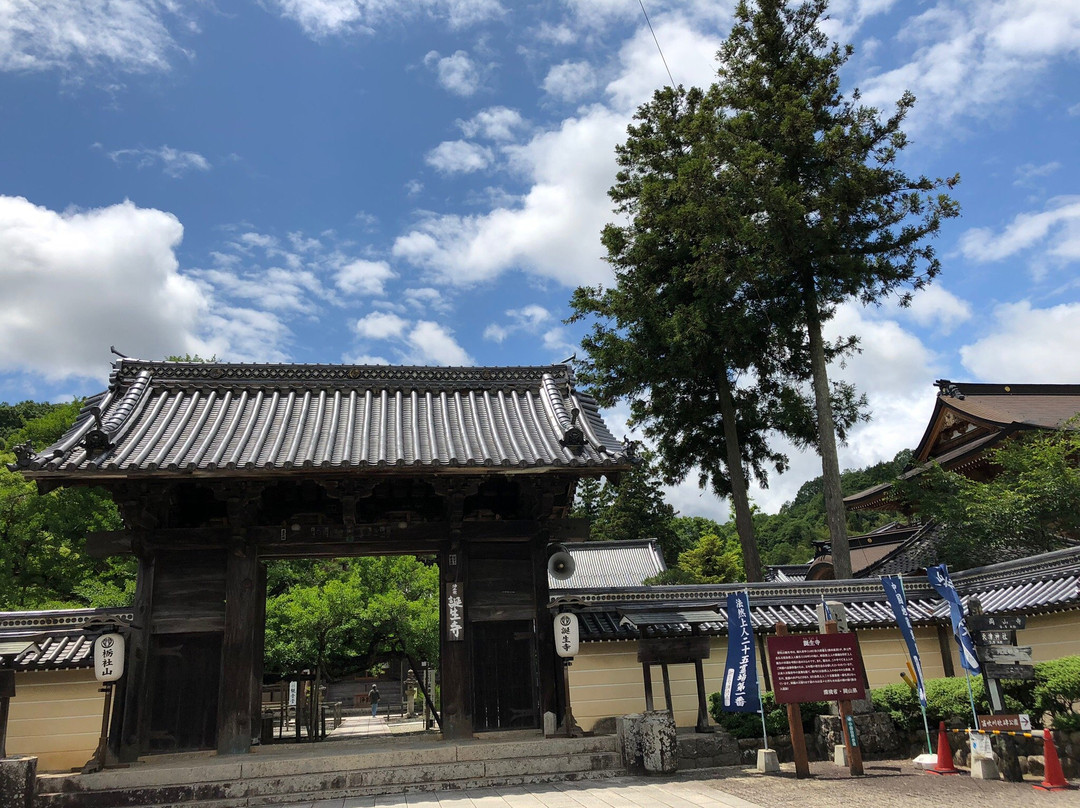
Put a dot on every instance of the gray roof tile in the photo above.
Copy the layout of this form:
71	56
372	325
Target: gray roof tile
185	417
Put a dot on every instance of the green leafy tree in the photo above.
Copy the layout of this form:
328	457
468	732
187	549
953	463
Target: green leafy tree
635	508
43	563
716	559
814	196
1031	505
348	615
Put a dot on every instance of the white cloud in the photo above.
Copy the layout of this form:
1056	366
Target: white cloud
459	157
319	18
77	282
1028	345
1056	230
896	371
494	123
936	307
552	230
427	298
431	343
174	163
1028	172
570	81
74	34
971	55
528	319
457	73
364	277
381	325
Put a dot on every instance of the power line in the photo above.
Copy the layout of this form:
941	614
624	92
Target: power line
654	39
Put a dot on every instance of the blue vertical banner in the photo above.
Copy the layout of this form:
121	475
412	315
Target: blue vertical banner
941	581
740	674
894	593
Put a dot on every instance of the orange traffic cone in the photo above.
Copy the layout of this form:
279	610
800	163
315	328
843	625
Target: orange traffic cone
1055	778
944	754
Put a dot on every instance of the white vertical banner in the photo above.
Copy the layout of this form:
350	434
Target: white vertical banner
567	635
109	657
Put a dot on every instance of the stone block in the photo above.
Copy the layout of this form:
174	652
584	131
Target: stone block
659	744
604	726
767	761
1036	765
984	768
839	755
18	780
628	733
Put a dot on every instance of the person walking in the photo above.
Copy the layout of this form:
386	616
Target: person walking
373	697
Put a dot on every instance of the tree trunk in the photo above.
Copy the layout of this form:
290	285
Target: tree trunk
744	522
830	464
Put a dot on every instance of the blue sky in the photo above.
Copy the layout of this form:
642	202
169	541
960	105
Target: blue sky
424	181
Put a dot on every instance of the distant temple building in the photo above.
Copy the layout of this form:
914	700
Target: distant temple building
968	421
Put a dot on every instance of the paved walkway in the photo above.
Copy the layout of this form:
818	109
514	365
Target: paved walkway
888	784
363	726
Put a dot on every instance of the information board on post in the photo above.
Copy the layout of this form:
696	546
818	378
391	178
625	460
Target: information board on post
815	667
1006	723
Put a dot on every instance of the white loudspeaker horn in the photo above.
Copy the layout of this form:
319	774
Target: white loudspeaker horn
560	563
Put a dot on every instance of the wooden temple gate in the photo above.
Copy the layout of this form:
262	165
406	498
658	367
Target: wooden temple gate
217	468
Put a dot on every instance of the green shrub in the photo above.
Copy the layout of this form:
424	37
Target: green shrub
1057	690
748	725
946	699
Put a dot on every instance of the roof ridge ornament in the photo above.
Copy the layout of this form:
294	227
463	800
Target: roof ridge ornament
949	389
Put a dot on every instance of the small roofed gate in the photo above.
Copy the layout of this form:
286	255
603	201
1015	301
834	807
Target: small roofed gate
218	467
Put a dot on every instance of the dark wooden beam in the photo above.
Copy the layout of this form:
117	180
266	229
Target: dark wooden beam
242	598
275	541
456	659
134	728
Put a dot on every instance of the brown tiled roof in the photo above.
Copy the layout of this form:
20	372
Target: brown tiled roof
183	418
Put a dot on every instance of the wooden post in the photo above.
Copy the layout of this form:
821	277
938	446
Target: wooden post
854	751
238	650
794	717
135	725
568	718
702	707
646	675
7	691
667	688
457	678
945	644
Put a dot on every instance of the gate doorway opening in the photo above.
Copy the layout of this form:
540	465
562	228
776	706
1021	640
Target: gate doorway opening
351	648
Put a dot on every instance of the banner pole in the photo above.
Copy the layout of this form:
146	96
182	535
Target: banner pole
922	707
971	698
761	701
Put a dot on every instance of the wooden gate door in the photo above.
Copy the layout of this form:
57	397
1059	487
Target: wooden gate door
505	675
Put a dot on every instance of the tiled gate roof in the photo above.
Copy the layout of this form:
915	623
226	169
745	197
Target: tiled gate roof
187	417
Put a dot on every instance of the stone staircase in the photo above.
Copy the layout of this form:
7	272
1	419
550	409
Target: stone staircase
315	773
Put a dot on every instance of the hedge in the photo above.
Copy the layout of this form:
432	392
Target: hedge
1055	690
748	725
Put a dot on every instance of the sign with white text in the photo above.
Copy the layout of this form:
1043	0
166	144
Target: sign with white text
455	612
109	657
815	667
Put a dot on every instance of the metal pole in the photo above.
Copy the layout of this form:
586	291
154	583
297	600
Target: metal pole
922	707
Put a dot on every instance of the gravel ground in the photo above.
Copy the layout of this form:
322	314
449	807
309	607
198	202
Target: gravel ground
887	784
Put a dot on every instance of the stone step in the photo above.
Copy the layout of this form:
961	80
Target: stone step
267	780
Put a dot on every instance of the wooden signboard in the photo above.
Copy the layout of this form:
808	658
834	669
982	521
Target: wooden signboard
1006	723
1002	622
815	667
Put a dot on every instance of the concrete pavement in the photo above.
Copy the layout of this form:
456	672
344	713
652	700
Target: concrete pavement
888	784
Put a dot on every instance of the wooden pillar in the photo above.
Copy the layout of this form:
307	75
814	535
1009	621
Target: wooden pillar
854	751
646	675
798	737
552	672
257	660
456	662
132	731
667	687
702	706
944	638
242	609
